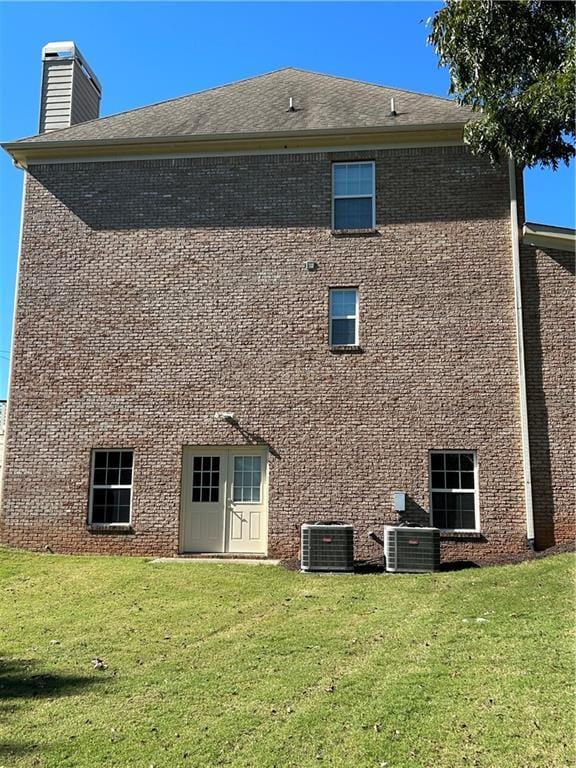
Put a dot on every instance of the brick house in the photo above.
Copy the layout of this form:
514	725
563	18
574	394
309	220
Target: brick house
280	300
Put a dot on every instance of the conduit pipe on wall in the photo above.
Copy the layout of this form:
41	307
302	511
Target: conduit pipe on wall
525	435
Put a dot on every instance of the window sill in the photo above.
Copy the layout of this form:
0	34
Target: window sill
346	349
108	528
354	233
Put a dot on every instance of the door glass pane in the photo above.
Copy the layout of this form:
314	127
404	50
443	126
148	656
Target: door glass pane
206	479
247	478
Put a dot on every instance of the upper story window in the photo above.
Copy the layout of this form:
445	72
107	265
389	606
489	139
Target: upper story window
353	196
343	317
111	487
454	490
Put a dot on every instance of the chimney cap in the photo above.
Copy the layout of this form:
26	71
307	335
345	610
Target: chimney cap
68	49
65	49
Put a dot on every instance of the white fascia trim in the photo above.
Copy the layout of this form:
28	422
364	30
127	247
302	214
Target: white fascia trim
524	429
31	143
243	153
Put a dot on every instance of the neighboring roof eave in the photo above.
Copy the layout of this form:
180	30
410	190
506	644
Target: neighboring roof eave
21	150
547	236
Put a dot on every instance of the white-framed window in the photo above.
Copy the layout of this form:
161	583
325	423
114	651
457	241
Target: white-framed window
454	490
111	487
353	195
343	317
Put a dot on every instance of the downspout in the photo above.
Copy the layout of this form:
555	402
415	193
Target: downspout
525	435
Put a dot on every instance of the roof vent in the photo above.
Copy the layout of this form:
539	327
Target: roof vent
70	90
393	112
291	107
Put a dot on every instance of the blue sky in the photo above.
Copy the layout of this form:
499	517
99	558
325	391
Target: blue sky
143	52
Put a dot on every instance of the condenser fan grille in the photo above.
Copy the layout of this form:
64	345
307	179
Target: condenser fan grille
327	547
411	550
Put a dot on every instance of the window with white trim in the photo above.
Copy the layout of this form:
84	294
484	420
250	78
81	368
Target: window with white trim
343	317
353	195
454	490
111	487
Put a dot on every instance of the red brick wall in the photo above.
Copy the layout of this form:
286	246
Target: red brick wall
550	339
156	293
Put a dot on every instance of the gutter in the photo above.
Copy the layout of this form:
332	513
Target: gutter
23	150
524	430
546	236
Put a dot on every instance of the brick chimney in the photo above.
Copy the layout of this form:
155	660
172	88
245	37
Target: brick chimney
70	90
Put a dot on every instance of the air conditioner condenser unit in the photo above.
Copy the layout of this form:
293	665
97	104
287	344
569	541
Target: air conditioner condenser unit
327	547
411	550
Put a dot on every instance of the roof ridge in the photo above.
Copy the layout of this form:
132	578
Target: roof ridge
366	82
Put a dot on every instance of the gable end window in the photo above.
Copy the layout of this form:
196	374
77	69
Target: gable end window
343	317
454	490
111	487
353	196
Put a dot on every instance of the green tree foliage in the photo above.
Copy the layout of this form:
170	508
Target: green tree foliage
514	64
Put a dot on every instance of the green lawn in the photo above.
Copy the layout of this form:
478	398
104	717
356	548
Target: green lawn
233	665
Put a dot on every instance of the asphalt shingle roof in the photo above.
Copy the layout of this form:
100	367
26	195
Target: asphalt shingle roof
260	105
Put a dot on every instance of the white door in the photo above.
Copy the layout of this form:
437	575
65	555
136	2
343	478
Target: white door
247	511
224	500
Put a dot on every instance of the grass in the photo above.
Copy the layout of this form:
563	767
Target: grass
255	667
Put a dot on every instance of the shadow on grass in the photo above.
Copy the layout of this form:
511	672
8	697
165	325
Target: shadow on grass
12	749
19	681
458	565
374	567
